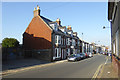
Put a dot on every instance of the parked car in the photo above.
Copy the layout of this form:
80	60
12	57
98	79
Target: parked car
74	57
90	54
87	55
82	55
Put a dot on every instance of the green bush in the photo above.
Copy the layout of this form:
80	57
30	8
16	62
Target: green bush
10	42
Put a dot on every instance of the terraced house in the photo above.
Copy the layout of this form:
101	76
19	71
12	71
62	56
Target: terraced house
49	40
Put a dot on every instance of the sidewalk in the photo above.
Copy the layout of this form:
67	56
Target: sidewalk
108	72
25	64
21	63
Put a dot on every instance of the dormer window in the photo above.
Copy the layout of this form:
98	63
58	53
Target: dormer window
54	26
70	32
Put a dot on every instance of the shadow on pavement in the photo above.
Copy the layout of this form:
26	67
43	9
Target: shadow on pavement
15	64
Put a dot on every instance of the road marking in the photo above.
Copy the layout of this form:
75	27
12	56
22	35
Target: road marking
10	72
97	72
106	60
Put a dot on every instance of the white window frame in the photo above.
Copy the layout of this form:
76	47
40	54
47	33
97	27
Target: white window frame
68	51
73	42
68	41
56	53
57	37
59	54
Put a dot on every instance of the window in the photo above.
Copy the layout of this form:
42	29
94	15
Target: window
68	41
73	42
59	55
61	40
56	52
57	39
54	26
64	41
114	47
117	43
68	51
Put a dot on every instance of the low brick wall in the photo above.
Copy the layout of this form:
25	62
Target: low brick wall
116	65
42	54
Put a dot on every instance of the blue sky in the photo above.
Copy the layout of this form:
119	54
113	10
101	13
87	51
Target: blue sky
84	17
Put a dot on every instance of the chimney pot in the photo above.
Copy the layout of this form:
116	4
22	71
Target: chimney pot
38	8
58	21
37	12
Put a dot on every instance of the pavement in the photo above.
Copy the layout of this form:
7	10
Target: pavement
107	71
98	67
14	66
21	63
61	69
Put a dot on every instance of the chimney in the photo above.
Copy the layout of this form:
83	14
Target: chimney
58	21
69	27
36	11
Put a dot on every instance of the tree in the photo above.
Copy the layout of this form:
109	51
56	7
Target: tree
10	42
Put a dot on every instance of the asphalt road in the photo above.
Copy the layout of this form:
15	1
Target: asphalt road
80	69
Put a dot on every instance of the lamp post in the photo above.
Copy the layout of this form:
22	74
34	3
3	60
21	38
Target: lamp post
111	43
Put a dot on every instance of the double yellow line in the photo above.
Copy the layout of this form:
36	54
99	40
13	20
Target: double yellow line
98	69
97	72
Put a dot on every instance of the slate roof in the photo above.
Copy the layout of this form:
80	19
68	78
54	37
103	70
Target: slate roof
47	21
50	21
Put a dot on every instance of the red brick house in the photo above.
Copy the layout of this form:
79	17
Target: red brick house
48	40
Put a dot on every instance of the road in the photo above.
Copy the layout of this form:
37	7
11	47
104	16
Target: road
80	69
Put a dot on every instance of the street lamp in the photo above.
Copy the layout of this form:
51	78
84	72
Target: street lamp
105	27
111	43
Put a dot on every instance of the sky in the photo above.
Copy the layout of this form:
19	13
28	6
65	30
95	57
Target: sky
84	17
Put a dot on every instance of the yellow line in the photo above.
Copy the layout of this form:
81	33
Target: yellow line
96	73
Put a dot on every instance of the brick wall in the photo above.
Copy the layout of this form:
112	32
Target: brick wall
37	35
116	65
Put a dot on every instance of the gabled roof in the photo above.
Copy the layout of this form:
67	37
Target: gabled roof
47	21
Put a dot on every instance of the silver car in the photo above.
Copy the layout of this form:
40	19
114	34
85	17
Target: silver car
74	57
